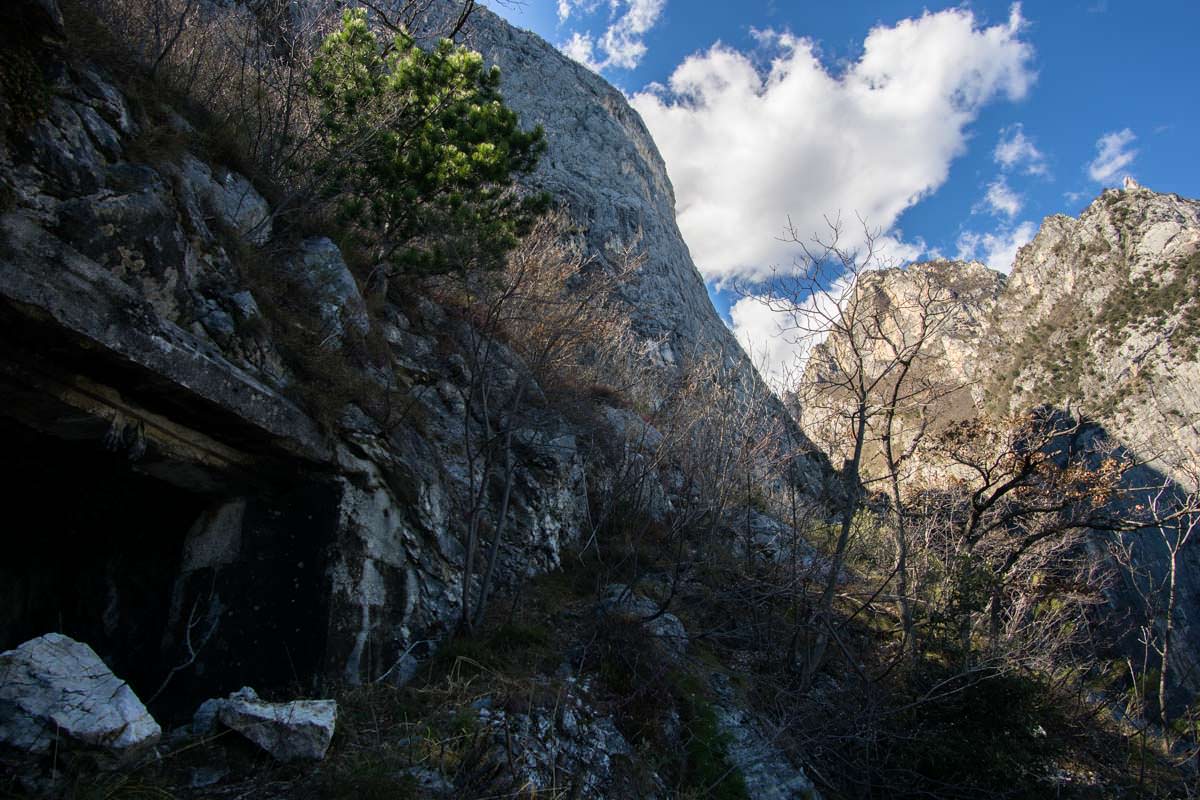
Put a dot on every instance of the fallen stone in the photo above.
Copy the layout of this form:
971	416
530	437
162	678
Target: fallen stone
664	626
296	731
55	686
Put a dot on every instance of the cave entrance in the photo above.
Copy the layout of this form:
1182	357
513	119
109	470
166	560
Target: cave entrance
91	549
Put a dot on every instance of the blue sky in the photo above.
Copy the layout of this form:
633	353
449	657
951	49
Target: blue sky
955	128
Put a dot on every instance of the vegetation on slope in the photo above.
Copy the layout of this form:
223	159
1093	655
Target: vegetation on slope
974	692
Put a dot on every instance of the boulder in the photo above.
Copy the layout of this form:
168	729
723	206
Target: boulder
767	537
231	198
328	289
54	685
619	598
297	731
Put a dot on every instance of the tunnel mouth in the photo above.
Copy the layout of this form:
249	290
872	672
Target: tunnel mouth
92	550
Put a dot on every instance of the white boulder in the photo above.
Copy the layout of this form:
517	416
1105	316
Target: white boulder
620	599
54	685
296	731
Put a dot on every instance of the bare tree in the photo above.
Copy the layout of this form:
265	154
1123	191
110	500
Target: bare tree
867	383
1170	516
551	307
1024	493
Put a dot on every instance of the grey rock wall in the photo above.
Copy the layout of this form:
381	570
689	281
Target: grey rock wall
134	335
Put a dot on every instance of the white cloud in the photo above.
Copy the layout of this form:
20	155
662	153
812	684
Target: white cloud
998	250
779	342
779	339
623	42
1113	154
760	332
1001	199
745	149
581	48
1015	150
578	7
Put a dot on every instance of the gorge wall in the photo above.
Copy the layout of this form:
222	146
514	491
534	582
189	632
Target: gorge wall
1099	319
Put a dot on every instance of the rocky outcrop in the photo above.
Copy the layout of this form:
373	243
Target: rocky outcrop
930	315
54	686
304	523
602	162
1101	313
603	165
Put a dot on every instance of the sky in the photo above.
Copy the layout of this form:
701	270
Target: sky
952	130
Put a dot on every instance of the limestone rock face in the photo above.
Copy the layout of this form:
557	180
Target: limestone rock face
54	685
330	290
133	327
949	303
602	163
231	198
1102	312
1099	314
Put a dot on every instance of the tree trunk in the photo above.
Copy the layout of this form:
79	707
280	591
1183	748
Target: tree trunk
822	613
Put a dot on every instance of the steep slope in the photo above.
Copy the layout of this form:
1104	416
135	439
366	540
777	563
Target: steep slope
603	163
238	470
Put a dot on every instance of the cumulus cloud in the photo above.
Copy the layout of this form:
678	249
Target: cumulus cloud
567	8
1001	199
581	48
999	249
1016	151
779	342
623	43
745	149
1113	154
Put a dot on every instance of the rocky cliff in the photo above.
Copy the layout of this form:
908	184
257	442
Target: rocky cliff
1101	315
927	319
1100	318
603	163
235	469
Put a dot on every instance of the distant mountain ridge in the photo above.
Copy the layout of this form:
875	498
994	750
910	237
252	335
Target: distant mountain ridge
1100	316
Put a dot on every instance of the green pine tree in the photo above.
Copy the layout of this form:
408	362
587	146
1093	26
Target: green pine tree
419	150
